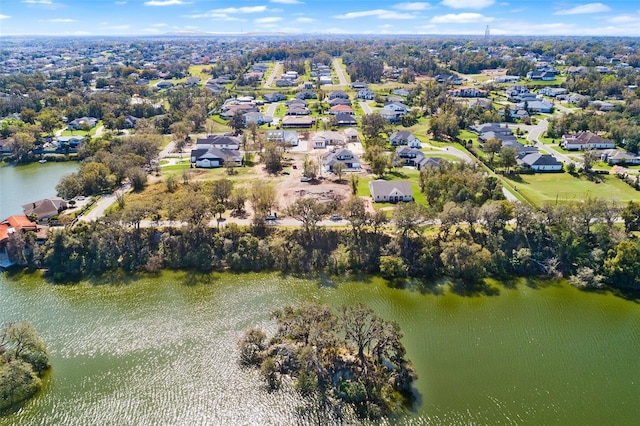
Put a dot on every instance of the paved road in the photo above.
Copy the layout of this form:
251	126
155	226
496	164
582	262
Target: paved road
534	136
338	67
103	204
365	107
275	71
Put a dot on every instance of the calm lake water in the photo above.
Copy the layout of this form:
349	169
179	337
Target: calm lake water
163	351
20	185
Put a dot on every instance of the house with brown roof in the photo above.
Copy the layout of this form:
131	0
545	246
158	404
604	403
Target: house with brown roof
341	109
45	208
585	140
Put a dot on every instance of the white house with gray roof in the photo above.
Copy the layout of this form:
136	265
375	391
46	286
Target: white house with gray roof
390	191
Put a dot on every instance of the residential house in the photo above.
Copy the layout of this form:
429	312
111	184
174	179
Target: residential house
284	83
401	92
286	137
467	92
164	84
603	106
616	156
403	137
274	97
257	117
481	103
536	106
351	135
506	79
292	121
359	85
341	155
192	81
325	80
306	95
78	123
45	208
228	111
296	110
365	94
339	101
345	120
213	157
341	109
9	226
539	162
585	140
448	79
541	75
391	116
325	139
553	91
391	191
338	94
220	141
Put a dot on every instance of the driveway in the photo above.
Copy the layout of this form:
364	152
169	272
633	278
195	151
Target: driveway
104	203
534	136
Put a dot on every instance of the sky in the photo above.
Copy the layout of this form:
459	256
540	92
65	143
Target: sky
452	17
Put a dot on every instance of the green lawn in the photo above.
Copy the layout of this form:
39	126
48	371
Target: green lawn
563	187
399	174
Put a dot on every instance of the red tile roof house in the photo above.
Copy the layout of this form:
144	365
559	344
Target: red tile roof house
341	109
8	227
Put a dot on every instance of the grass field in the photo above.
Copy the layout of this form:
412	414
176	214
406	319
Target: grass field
563	187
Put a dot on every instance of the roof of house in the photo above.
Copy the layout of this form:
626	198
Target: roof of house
341	108
45	207
213	152
385	187
21	222
402	134
587	137
537	159
346	119
218	139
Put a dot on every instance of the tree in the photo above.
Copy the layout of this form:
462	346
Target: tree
48	120
219	210
493	146
272	158
373	125
310	168
622	265
508	158
21	145
137	177
263	199
353	183
408	217
631	216
356	213
338	169
237	201
588	159
237	122
308	211
393	267
180	130
221	190
465	259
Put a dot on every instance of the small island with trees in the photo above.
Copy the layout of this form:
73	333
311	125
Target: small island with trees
352	362
23	360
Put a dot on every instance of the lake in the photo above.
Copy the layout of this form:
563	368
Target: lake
162	350
22	184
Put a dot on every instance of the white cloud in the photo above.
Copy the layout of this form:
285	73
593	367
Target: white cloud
120	2
468	4
245	9
45	4
165	2
160	25
268	20
304	19
624	19
460	18
62	20
379	13
583	9
286	1
414	6
37	1
4	16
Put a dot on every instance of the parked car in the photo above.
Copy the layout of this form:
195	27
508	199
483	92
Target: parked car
335	217
305	179
273	216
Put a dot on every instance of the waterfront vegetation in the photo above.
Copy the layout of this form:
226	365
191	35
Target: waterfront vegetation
351	361
23	360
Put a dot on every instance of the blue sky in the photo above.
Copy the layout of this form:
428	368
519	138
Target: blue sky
155	17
